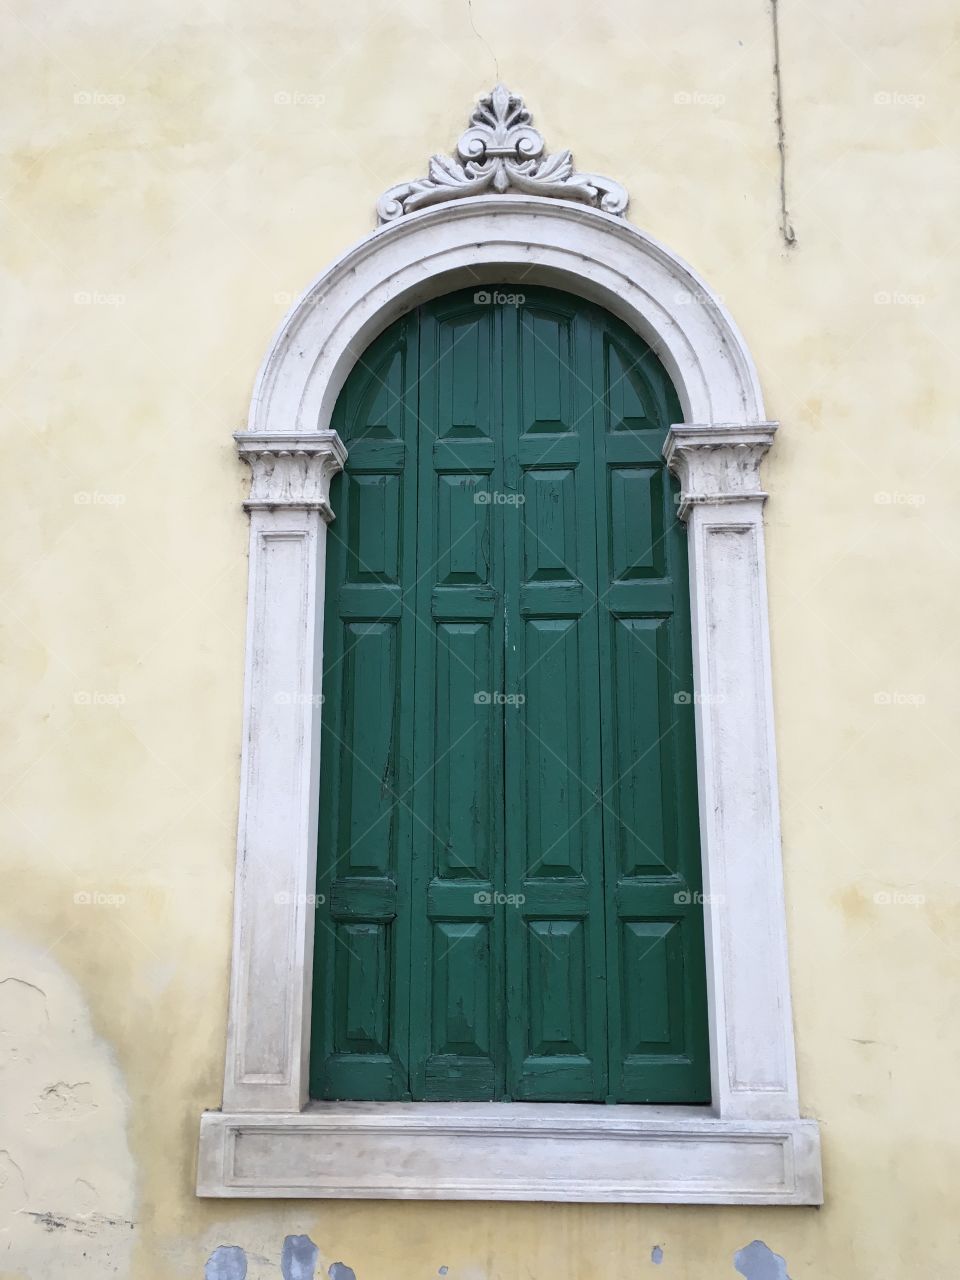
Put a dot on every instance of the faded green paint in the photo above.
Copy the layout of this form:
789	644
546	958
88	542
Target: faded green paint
509	849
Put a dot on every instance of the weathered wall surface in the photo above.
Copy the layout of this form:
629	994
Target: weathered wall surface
172	175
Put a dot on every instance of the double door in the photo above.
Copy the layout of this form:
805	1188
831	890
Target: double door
508	863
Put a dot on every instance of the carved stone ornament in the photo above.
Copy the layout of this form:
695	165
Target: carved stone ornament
501	152
292	471
717	464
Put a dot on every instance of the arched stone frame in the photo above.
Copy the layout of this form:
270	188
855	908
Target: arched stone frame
750	1145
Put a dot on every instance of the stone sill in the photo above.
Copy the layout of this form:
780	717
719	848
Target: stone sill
509	1151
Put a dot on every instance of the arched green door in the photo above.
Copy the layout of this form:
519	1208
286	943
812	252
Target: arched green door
509	859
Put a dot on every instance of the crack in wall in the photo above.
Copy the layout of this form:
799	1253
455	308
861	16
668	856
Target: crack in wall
485	43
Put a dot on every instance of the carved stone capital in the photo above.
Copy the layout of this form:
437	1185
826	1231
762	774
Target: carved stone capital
502	152
291	470
718	464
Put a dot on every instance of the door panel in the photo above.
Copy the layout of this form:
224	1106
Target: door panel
456	1039
554	863
656	992
509	845
360	1033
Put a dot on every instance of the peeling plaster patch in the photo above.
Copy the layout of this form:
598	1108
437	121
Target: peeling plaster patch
90	1224
68	1182
62	1101
50	1221
443	1271
299	1258
757	1262
340	1271
228	1262
656	1255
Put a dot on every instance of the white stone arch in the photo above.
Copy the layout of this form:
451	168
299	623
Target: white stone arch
505	239
751	1144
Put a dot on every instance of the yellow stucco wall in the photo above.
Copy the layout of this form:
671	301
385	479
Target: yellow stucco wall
162	206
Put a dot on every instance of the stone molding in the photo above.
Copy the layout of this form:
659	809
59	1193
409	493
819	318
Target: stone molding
291	470
751	1146
716	464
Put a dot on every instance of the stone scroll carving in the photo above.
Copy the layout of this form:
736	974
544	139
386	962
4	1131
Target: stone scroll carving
501	152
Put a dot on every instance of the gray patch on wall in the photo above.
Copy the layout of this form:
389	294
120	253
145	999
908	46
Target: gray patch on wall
228	1262
340	1271
758	1262
298	1261
656	1255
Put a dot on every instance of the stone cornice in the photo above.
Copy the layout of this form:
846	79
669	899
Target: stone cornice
292	470
717	464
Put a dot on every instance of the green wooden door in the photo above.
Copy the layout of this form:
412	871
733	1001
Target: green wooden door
509	867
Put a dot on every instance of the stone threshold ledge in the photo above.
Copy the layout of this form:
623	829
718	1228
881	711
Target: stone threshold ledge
510	1151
